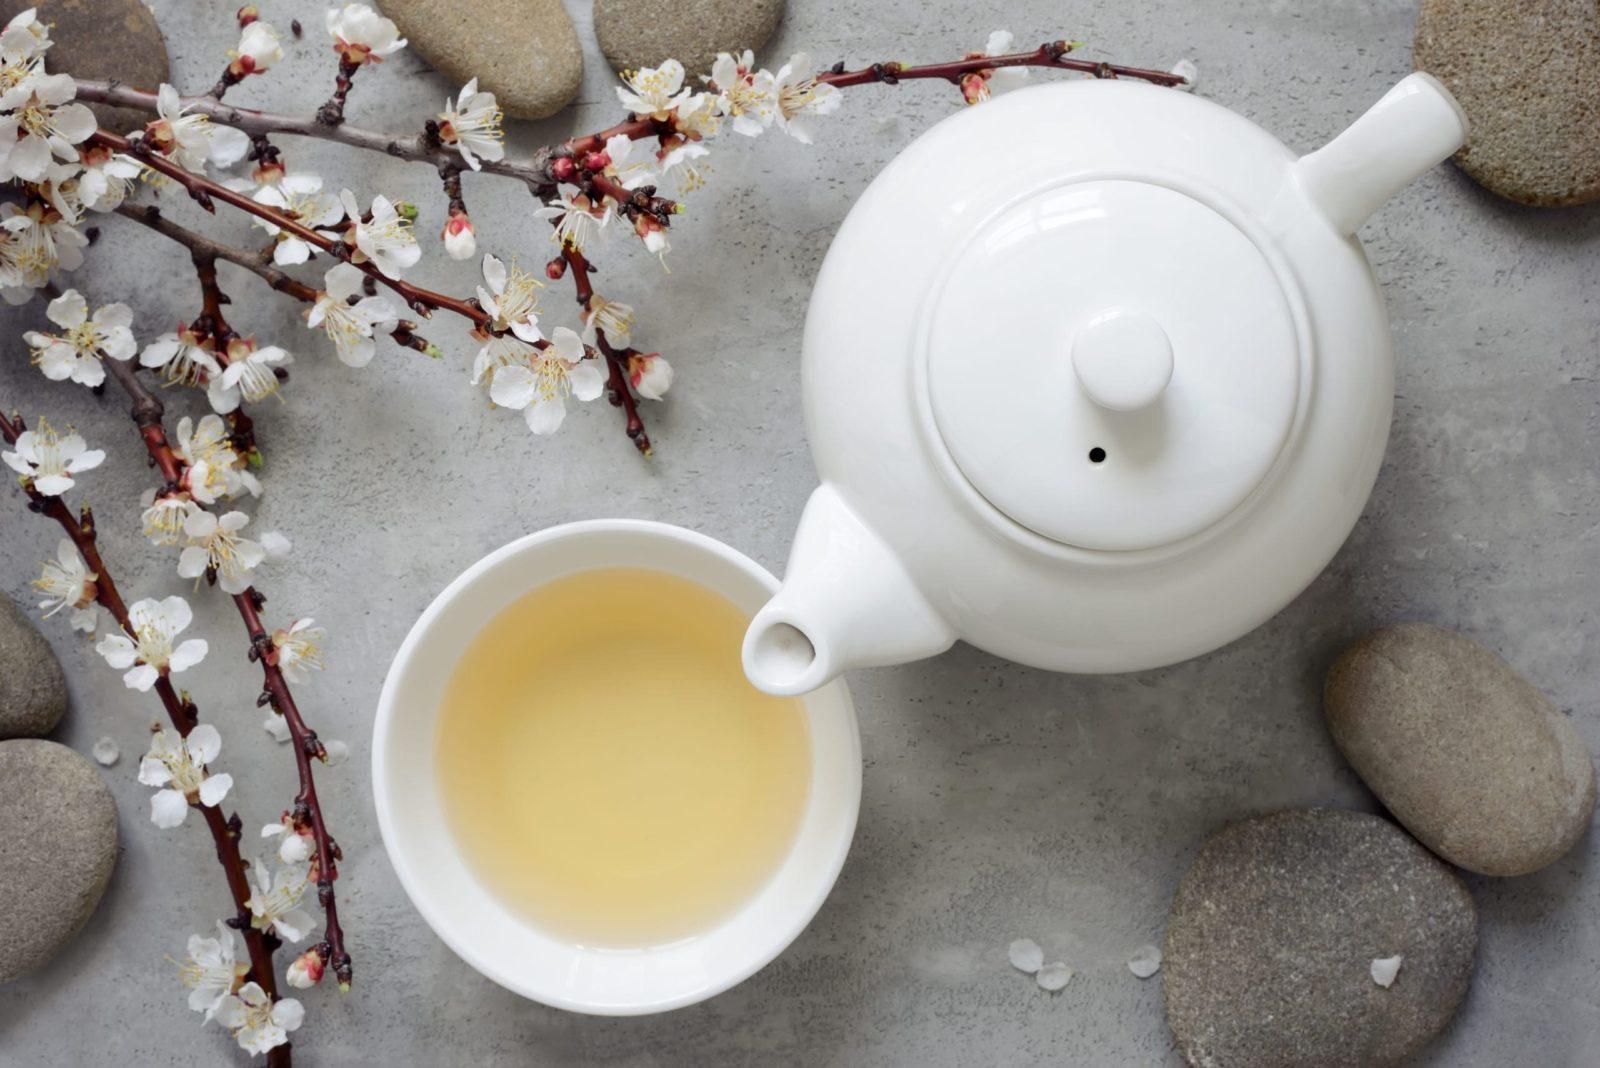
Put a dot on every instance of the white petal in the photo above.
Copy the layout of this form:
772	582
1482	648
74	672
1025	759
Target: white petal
105	751
203	743
168	808
587	381
1053	977
215	788
275	544
177	613
1145	962
276	726
1026	956
1384	970
546	416
512	387
140	678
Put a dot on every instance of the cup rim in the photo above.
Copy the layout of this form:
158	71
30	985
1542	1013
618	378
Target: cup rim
384	786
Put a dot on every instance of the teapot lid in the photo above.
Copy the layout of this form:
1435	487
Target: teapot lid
1115	363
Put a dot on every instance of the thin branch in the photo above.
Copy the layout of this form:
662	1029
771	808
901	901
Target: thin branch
147	414
184	717
1053	55
616	363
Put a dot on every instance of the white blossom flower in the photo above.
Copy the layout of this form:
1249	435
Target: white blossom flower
247	376
305	971
799	96
578	220
386	239
67	582
192	139
178	765
298	648
107	178
301	196
49	460
260	47
361	35
274	903
294	843
744	94
24	39
215	545
44	127
512	299
540	383
650	374
349	326
258	1023
214	469
611	316
76	354
150	652
163	517
677	156
212	970
460	240
471	125
182	357
33	242
699	116
653	92
629	169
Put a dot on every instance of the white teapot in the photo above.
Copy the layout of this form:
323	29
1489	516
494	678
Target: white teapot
1096	378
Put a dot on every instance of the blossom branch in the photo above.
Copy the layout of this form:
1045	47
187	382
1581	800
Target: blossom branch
616	363
147	414
181	713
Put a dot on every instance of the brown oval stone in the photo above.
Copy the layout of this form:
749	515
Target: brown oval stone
1528	74
1469	755
525	52
107	40
646	33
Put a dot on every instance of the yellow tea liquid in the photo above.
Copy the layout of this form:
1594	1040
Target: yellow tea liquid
607	769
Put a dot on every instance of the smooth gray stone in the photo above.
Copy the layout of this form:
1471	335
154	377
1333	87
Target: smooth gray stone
33	691
107	40
1274	929
1469	755
58	844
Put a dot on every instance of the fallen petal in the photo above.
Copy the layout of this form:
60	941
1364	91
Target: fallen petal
106	752
1053	977
1026	956
1145	962
1384	969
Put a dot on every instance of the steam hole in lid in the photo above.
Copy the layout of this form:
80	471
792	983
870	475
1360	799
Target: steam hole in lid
782	654
1097	455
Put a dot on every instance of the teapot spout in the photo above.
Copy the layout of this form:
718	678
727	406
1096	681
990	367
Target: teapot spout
1416	125
846	602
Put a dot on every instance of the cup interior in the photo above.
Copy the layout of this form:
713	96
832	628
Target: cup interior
467	916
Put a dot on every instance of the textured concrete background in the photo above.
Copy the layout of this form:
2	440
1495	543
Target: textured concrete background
1000	801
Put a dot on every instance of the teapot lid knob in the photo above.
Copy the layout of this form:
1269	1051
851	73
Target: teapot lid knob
1123	360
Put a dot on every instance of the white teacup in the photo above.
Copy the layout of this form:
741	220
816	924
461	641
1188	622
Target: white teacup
467	916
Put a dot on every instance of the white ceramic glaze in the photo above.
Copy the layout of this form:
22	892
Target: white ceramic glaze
439	881
1121	397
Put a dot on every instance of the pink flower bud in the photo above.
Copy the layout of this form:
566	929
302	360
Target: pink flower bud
247	14
562	168
596	161
459	240
306	969
555	269
649	374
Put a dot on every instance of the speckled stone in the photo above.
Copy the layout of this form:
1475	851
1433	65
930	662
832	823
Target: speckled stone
111	40
1275	926
1528	74
525	52
58	844
1469	755
644	33
33	691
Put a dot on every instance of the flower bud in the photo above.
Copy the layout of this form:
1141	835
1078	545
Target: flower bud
597	161
460	242
306	969
556	269
406	210
247	14
562	168
649	374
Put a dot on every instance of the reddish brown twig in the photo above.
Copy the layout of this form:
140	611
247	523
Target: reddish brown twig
184	717
1053	55
616	363
147	414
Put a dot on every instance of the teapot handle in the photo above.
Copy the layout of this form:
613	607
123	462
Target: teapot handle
1416	125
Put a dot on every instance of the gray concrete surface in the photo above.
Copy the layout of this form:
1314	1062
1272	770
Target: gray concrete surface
999	801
